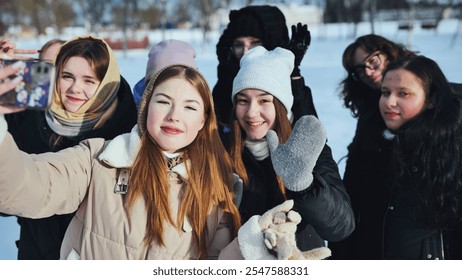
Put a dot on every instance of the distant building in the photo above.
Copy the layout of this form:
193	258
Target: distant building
306	14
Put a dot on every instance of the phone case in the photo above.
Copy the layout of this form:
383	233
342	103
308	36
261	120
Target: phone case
36	89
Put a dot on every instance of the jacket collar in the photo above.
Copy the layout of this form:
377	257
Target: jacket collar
122	150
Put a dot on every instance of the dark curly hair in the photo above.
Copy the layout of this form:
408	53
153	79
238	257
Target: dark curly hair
357	95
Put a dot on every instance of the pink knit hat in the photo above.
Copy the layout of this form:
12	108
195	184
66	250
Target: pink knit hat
162	56
169	52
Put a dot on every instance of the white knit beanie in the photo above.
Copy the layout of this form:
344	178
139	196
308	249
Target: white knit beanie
267	71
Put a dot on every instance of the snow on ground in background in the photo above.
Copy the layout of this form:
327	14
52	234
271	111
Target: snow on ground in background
321	68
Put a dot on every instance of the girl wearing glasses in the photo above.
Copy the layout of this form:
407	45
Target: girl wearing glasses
365	60
366	177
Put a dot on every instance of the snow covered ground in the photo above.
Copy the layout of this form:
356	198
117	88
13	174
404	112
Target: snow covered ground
321	68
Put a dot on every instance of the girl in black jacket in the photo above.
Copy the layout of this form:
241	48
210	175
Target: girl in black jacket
423	115
302	169
98	104
261	25
365	177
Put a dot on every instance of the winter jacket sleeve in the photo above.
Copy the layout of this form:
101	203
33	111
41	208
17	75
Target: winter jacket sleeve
326	205
231	252
303	100
221	237
38	186
221	92
456	87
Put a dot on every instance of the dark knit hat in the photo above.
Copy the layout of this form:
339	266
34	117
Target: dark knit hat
270	21
264	22
245	24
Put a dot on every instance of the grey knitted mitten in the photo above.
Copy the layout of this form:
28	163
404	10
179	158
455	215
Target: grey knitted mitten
294	161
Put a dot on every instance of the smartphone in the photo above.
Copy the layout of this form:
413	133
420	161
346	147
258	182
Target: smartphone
36	89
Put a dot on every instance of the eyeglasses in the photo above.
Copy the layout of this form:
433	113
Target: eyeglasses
372	62
238	47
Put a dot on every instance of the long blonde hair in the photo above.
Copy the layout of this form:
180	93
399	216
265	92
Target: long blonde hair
236	146
210	175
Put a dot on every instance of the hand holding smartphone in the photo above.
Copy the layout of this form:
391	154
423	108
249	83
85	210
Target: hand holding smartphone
36	89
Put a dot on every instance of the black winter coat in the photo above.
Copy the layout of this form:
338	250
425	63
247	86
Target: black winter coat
386	225
367	182
41	238
325	207
407	237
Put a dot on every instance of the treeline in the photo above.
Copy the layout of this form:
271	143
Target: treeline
94	14
354	10
37	15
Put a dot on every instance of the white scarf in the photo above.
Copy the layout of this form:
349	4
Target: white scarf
259	149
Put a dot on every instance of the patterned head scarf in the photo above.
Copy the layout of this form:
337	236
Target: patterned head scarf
95	111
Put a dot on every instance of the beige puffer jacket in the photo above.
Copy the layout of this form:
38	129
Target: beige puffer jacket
83	178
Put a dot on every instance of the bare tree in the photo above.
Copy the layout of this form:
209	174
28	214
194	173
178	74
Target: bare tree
150	12
335	11
31	13
457	5
9	15
61	13
181	12
163	17
355	11
93	11
206	9
125	14
372	14
45	13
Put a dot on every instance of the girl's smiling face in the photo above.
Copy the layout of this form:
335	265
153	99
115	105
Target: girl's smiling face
255	112
175	114
369	67
403	98
78	83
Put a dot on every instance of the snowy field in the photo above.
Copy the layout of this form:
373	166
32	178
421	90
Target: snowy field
321	68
